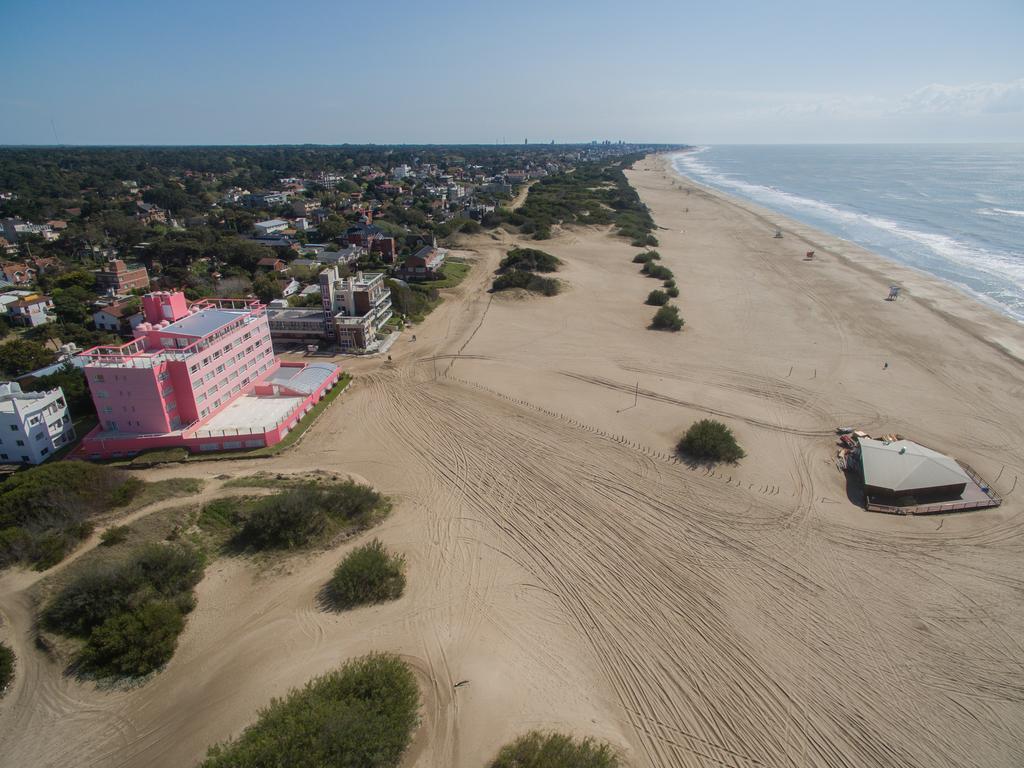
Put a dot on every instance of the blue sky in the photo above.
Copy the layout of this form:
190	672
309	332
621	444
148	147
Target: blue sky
719	71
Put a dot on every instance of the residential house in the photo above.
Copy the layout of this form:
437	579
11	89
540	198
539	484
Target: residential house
373	239
272	263
14	229
149	214
425	264
269	227
116	277
17	273
304	206
120	317
31	311
264	199
202	376
33	425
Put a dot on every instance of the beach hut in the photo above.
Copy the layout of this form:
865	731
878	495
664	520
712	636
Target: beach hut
902	472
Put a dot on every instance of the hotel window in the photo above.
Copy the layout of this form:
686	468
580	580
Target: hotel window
107	409
98	378
209	376
163	376
201	398
21	442
216	403
206	361
101	394
193	368
205	412
220	368
216	354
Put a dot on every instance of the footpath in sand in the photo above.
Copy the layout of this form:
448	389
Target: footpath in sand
580	578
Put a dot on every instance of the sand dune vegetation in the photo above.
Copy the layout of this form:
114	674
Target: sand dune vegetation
362	715
710	440
368	574
555	750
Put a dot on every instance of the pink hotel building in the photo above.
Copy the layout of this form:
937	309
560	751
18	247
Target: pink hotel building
203	377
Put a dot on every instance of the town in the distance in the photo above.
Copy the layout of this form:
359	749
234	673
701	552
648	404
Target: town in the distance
204	298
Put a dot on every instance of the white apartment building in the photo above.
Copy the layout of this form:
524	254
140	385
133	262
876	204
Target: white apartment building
33	425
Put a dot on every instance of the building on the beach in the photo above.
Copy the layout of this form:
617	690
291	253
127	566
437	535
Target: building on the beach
33	425
119	278
203	377
425	264
901	473
355	308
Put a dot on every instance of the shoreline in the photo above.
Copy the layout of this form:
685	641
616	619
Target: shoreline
983	318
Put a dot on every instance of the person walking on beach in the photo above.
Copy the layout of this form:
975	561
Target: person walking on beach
885	365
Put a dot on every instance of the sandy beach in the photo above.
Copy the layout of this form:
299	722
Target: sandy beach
578	576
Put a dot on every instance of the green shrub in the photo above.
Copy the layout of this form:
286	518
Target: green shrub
657	298
367	575
710	440
646	256
518	279
297	516
360	716
673	292
555	750
116	534
657	270
45	511
667	319
530	260
129	613
670	283
134	643
6	667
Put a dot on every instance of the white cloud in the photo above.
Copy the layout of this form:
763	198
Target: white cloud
973	99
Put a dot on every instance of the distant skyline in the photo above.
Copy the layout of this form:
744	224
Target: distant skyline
665	71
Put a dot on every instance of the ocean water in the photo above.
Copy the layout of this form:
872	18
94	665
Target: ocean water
953	211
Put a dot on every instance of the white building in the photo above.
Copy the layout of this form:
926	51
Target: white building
400	172
33	425
270	226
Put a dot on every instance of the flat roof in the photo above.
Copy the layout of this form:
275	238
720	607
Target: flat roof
253	412
904	465
270	223
205	322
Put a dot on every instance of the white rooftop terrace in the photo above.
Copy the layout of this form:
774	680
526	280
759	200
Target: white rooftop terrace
251	414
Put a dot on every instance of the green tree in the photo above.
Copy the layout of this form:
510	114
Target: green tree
266	287
19	357
71	304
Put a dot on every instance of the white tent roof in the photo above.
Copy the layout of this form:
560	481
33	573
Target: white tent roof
905	466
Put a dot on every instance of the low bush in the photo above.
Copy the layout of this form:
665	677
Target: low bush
518	279
555	750
134	643
114	535
646	256
130	613
657	270
673	292
46	511
667	319
530	260
360	716
657	298
6	667
300	515
368	574
670	283
710	440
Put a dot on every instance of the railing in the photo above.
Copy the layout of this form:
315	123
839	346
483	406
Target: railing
932	509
